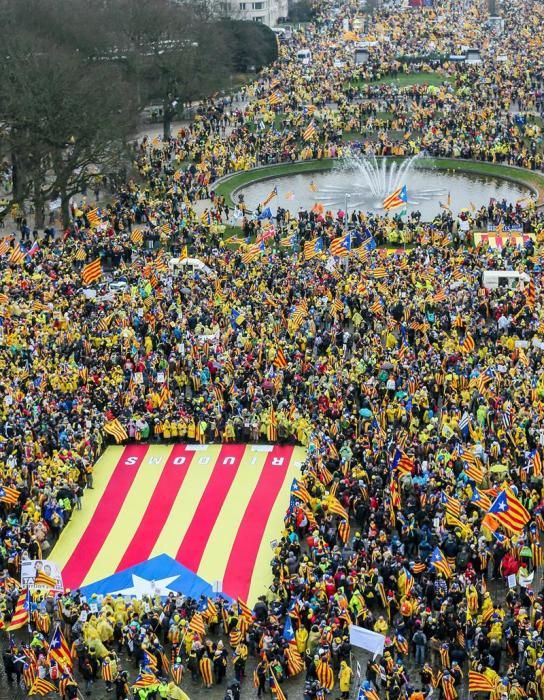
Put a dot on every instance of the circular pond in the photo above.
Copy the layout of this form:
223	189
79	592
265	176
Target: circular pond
368	185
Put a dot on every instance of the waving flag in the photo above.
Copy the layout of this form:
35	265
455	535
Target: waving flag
93	217
270	197
145	680
407	580
468	344
509	511
280	361
341	247
33	249
265	214
402	463
59	650
300	491
92	272
480	499
396	199
313	248
17	255
440	563
115	428
251	253
288	241
8	494
21	614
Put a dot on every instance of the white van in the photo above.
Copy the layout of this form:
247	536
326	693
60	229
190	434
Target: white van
304	56
493	279
191	264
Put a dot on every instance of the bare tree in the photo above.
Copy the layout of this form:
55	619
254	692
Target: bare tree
169	49
67	113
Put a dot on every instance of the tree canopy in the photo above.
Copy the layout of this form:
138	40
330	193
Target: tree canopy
75	74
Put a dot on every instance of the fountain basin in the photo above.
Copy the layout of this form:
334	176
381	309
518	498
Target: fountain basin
490	179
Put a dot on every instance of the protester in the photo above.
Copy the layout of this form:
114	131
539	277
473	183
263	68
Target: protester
418	392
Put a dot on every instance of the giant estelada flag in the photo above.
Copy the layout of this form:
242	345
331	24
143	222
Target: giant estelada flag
159	515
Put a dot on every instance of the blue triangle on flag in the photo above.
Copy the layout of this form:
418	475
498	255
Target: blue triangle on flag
160	575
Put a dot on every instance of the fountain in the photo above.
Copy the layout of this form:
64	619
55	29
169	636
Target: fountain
372	180
381	177
365	181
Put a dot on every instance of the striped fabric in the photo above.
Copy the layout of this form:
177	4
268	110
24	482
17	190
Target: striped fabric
214	509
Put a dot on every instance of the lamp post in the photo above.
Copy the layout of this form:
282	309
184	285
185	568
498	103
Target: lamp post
346	225
346	203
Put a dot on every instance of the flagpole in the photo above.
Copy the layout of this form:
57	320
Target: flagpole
346	225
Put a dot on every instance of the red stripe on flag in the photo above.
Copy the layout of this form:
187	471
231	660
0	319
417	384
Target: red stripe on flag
103	517
196	538
159	507
239	570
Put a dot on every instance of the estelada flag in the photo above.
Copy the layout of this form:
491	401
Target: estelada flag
160	510
509	511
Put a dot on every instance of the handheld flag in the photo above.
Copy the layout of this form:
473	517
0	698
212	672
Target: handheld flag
8	494
509	511
310	132
480	683
396	199
92	272
341	246
270	197
114	427
21	614
312	248
45	581
42	687
440	563
59	650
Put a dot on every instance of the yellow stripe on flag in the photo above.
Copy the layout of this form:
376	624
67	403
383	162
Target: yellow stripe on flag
132	512
217	552
72	534
262	573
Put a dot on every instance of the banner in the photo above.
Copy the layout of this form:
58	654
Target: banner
46	570
366	639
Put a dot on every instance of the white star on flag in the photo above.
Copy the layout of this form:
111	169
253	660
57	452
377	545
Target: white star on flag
141	586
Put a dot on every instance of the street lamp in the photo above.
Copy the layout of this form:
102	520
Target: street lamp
346	226
346	203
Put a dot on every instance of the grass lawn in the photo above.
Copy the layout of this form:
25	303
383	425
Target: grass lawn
405	80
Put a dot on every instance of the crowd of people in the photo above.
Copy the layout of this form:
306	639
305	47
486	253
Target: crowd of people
418	392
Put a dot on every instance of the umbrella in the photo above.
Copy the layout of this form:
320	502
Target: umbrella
497	468
526	552
365	412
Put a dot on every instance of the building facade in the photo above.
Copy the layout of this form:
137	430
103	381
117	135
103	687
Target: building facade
264	11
